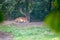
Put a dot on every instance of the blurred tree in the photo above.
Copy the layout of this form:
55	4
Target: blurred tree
53	19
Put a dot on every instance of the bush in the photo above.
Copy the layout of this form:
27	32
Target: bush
53	19
1	17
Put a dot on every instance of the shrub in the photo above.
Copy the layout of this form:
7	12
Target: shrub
53	19
1	17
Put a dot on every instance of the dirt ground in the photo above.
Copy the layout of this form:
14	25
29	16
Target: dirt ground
25	24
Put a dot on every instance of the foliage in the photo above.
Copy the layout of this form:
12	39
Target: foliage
53	19
20	6
1	17
41	9
34	9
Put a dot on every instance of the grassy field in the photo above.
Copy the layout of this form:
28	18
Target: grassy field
30	33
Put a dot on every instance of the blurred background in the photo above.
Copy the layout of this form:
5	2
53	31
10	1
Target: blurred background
44	16
34	10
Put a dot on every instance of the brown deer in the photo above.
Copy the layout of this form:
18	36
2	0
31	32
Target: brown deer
21	19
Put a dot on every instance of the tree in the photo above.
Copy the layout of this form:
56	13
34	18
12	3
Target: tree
53	19
50	5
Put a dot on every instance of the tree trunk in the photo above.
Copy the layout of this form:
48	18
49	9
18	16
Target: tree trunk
50	5
27	12
28	16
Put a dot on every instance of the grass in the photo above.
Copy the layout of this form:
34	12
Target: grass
31	33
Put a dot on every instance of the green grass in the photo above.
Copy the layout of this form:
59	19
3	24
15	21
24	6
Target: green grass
31	33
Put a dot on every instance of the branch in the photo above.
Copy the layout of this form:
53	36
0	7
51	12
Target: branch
22	12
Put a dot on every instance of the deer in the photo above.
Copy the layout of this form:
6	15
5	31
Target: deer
21	19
